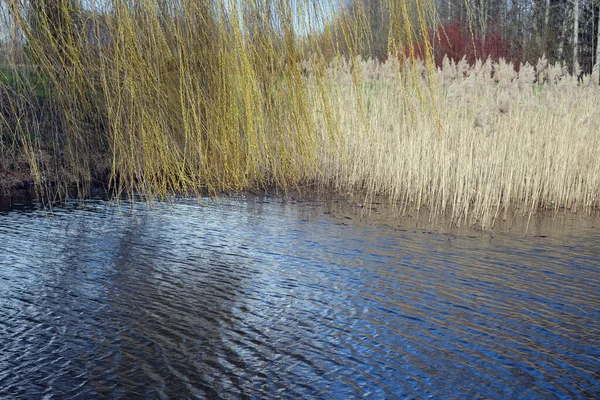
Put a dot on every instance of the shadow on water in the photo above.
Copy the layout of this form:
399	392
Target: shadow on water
261	298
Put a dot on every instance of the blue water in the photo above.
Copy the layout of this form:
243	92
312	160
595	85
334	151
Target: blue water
255	298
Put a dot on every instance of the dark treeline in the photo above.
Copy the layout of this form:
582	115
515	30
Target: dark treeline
517	30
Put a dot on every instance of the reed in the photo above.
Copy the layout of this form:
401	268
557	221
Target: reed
509	143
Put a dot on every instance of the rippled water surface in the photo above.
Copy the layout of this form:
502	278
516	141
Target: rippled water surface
257	298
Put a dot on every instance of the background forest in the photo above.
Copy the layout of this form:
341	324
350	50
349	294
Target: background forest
516	30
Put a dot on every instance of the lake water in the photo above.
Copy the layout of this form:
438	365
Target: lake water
255	298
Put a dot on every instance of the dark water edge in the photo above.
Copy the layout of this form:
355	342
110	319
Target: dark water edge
270	297
27	196
374	212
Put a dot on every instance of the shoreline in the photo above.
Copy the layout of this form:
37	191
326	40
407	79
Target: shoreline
501	143
317	204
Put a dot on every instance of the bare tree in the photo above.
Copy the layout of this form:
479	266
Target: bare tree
4	23
575	36
598	47
479	15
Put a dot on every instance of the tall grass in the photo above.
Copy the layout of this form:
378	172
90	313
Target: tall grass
509	143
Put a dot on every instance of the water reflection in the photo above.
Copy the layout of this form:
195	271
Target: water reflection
258	298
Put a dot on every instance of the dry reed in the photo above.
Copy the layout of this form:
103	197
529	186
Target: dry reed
509	142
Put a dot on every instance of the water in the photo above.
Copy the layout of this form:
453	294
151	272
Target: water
257	298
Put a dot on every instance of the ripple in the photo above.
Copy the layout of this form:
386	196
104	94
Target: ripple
245	298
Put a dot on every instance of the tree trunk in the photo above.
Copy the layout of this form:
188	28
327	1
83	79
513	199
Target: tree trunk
482	16
562	38
598	50
546	27
575	36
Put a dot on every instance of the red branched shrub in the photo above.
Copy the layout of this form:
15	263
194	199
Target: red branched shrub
456	41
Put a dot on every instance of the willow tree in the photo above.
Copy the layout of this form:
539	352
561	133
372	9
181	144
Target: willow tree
187	95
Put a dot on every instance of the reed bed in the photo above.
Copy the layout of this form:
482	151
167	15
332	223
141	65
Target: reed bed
500	142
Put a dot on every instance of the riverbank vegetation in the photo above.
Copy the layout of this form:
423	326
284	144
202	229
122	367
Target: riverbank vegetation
161	97
494	140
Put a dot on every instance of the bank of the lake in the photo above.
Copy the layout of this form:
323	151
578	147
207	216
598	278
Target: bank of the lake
485	142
